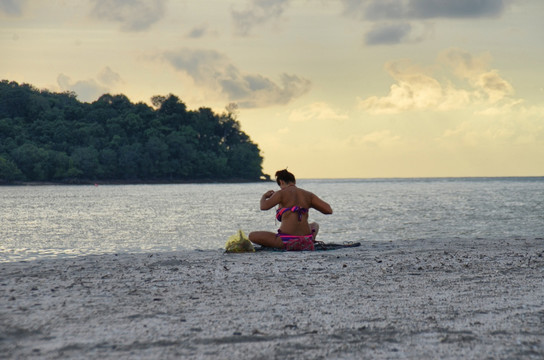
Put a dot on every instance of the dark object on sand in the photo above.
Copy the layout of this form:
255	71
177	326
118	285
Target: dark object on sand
319	246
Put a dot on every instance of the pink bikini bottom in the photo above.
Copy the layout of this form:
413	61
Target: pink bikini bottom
297	243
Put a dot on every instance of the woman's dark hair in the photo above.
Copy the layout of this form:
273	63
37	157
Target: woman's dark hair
285	176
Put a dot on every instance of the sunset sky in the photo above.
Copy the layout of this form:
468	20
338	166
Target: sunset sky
327	88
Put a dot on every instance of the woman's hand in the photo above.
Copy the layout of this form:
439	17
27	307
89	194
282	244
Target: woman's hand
268	200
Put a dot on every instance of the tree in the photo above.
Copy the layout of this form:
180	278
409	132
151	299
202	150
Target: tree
244	161
108	160
129	161
31	160
168	105
9	171
46	136
86	160
61	166
157	152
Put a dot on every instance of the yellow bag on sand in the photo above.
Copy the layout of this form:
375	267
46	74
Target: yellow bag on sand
239	243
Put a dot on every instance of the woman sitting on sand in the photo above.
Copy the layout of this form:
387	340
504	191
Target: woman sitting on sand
295	232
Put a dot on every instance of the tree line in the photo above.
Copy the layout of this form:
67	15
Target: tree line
47	136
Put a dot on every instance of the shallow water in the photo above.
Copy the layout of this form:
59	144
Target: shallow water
58	221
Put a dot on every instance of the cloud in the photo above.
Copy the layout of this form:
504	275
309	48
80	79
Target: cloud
86	90
464	64
524	127
108	77
394	21
475	70
199	32
257	13
391	33
388	34
132	15
316	111
380	138
494	86
12	7
213	70
424	9
418	88
376	10
90	89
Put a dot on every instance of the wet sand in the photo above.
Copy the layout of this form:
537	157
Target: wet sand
414	300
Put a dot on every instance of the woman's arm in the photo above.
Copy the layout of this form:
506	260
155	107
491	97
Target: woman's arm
270	199
321	205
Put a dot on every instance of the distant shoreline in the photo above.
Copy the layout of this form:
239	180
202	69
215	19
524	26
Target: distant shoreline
243	181
131	182
432	178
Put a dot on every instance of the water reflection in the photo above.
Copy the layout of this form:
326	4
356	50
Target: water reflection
52	221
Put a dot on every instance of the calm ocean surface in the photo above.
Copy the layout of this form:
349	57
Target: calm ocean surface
59	221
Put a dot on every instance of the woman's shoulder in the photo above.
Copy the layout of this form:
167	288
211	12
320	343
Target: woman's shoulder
307	195
305	192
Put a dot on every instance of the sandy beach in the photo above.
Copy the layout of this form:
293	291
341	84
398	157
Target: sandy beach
414	300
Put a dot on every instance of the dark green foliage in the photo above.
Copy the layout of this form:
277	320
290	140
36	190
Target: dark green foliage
47	136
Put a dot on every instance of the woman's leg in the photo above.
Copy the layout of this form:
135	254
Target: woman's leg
266	238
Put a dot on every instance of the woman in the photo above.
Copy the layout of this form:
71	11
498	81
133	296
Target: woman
293	205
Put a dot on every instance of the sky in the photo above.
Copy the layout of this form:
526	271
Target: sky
326	88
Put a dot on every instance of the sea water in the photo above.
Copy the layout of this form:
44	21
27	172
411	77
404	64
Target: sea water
58	221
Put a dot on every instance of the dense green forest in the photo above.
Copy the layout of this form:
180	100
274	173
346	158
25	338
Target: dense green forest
47	136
